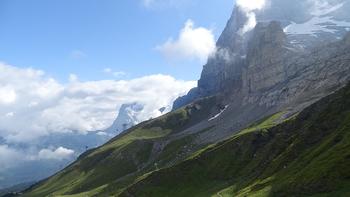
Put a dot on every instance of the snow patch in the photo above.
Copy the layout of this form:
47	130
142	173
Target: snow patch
316	25
217	115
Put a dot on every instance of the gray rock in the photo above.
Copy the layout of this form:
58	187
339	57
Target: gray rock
266	66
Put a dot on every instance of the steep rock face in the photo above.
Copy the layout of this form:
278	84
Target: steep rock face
192	95
301	76
265	58
273	66
225	67
230	39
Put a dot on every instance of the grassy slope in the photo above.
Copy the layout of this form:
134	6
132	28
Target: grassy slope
306	156
113	166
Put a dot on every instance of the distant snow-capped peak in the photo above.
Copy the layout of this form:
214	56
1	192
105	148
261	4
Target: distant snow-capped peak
129	115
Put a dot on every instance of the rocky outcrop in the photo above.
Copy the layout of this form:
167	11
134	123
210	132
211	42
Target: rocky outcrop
267	50
291	77
265	67
224	68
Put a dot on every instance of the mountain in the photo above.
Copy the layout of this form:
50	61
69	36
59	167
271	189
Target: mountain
267	118
127	117
268	69
307	28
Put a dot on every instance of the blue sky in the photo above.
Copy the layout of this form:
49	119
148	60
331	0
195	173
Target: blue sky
84	37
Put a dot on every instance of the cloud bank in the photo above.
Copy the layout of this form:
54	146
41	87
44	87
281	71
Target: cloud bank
192	43
33	104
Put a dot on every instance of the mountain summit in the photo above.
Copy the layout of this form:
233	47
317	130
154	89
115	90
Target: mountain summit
307	27
261	61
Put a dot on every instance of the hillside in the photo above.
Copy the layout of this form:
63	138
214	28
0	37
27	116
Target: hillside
137	151
308	155
305	156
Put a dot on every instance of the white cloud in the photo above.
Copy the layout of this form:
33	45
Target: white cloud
60	153
43	106
192	43
7	95
114	73
249	7
12	157
101	133
250	24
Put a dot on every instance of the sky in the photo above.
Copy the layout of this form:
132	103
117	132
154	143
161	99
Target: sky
67	66
107	39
